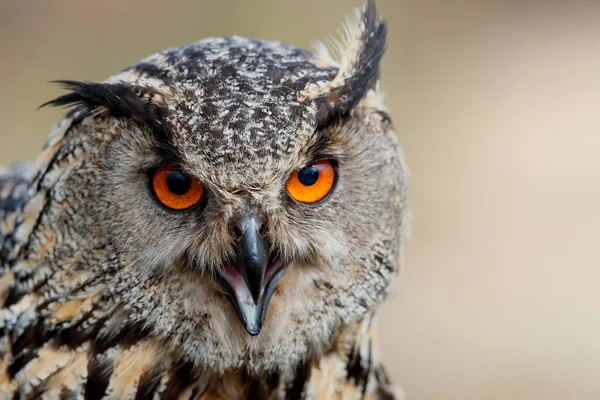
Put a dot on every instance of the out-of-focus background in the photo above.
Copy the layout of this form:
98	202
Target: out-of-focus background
496	103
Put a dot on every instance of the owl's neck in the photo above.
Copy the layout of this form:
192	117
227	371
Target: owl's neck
350	370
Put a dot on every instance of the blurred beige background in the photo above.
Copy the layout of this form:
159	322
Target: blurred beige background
496	103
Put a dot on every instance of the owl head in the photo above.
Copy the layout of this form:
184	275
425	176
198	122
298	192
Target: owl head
240	200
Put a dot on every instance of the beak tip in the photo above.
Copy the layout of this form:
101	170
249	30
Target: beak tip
253	329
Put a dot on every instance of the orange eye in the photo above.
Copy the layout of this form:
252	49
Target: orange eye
313	183
175	190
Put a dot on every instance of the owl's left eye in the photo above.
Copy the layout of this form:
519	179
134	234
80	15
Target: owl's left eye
175	190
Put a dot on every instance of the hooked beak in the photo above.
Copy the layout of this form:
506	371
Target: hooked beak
251	257
250	282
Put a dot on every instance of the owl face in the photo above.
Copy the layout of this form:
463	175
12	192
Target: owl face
250	194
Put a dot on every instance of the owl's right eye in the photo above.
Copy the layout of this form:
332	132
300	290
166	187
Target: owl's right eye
312	184
175	190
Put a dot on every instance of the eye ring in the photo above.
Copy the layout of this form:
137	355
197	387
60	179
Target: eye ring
175	191
314	184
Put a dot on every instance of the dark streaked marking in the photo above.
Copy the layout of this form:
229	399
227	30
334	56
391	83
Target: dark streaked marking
6	244
197	393
179	379
36	392
11	203
149	382
257	390
296	391
73	336
273	379
14	295
98	379
358	370
32	338
383	392
368	369
354	369
20	361
127	335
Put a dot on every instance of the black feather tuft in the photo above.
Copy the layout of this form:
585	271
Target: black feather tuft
120	100
363	72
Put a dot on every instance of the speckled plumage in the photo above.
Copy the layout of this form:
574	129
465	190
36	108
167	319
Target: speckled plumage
106	295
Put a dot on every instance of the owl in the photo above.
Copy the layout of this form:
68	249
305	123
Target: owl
217	221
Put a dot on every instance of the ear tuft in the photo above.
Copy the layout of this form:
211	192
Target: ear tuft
358	52
119	100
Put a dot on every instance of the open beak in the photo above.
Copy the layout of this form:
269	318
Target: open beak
250	281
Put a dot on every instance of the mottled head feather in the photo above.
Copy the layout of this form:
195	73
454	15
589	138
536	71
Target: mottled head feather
358	51
356	55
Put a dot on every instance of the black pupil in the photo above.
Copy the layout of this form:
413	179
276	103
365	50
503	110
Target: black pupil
178	183
308	176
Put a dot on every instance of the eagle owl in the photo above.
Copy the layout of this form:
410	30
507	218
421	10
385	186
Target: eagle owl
218	221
